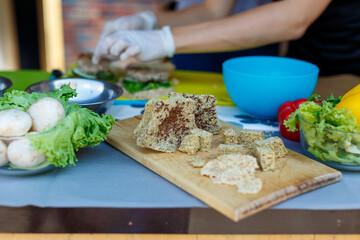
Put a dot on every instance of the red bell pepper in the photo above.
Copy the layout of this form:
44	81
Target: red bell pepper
284	112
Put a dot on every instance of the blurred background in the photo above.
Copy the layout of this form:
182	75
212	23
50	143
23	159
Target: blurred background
50	34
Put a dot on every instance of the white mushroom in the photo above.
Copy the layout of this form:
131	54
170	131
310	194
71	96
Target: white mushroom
23	155
3	157
14	123
46	113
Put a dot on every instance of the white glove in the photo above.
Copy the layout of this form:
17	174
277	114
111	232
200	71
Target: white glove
144	45
138	21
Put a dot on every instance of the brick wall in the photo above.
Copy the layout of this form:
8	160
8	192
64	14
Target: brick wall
83	21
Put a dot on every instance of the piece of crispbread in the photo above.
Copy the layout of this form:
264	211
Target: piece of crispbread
165	123
275	144
266	158
233	169
205	138
205	113
248	136
190	144
228	149
249	186
230	137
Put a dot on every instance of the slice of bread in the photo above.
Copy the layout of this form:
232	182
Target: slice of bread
86	66
144	72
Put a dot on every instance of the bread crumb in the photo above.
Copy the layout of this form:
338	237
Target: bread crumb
196	162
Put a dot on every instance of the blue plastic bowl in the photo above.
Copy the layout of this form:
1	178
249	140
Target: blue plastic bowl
258	85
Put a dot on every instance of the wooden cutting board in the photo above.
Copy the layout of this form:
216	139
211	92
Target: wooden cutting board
294	174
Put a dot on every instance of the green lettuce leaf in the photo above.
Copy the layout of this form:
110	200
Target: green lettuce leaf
134	86
81	127
327	132
22	100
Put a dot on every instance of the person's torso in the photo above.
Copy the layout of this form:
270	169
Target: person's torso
332	42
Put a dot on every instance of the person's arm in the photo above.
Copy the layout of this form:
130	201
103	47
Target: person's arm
270	23
205	11
208	10
274	22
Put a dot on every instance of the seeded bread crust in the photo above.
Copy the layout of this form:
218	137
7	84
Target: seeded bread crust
165	123
205	113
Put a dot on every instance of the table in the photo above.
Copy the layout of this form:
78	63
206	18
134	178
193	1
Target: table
143	202
59	215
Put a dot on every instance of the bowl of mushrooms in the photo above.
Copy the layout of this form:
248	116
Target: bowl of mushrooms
40	131
16	151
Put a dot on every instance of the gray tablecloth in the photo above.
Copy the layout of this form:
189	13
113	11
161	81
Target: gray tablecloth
105	177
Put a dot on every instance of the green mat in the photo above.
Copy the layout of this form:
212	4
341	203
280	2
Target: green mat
23	78
189	82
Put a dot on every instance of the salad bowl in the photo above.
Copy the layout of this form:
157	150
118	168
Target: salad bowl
337	149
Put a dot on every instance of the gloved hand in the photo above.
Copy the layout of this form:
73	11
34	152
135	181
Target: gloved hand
138	21
144	45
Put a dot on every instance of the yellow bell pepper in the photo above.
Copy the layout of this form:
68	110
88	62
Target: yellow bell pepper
351	101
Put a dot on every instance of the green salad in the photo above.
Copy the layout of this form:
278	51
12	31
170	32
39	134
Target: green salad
329	134
134	86
80	127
